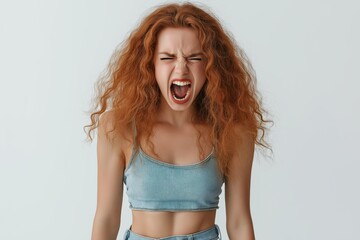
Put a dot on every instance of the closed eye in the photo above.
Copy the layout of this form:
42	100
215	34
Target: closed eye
166	58
195	59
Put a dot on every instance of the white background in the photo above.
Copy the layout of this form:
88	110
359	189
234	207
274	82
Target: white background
306	55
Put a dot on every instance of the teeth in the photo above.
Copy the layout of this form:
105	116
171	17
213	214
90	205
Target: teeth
181	98
181	83
187	94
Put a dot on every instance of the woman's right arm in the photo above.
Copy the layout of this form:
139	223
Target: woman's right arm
111	162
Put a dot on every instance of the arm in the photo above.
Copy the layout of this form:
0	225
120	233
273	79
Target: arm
239	224
109	185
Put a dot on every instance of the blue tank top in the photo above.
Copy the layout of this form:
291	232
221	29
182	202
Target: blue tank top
154	185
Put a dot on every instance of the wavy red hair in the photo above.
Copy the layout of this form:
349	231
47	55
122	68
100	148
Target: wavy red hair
228	99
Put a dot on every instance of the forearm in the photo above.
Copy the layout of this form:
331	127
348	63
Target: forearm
242	232
104	229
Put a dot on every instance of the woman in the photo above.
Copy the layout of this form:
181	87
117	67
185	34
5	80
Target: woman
178	116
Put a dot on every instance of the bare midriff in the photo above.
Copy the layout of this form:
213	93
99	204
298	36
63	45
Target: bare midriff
158	224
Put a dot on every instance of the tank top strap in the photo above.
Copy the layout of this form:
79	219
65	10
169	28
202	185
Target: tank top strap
134	131
134	151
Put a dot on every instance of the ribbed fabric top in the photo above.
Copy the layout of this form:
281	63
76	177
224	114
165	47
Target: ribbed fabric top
155	185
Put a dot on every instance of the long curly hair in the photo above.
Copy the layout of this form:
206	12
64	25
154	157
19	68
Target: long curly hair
228	99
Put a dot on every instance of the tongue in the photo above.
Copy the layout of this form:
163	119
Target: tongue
180	91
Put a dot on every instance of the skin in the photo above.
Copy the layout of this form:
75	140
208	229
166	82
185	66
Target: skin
178	55
173	122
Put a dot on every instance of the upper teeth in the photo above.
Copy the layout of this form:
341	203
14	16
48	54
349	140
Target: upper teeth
181	83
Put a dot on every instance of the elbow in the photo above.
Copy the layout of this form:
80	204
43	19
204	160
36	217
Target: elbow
105	229
241	230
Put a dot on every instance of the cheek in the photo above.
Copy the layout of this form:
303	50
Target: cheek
201	85
200	76
199	69
200	73
161	72
161	76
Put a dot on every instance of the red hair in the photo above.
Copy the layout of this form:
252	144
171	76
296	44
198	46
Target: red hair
228	99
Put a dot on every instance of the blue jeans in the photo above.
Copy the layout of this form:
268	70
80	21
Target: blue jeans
209	234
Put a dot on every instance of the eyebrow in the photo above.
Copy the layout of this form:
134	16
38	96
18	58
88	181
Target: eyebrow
191	55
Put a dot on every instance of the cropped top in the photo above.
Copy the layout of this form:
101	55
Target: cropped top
154	185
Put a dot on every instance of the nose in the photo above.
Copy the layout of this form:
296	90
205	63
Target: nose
181	66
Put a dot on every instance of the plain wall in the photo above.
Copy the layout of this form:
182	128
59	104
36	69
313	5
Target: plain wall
305	54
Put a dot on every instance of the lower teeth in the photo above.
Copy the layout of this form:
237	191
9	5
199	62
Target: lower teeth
180	98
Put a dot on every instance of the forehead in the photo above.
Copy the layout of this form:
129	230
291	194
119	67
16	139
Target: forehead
173	40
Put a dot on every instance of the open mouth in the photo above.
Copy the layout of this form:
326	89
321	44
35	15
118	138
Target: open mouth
180	91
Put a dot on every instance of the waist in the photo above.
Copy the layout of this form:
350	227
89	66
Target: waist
160	224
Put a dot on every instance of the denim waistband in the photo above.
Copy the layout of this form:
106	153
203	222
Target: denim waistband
209	234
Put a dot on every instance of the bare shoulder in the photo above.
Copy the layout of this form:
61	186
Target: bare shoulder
118	137
117	141
243	132
244	150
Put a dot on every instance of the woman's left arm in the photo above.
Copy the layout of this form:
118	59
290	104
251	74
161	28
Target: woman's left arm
239	224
